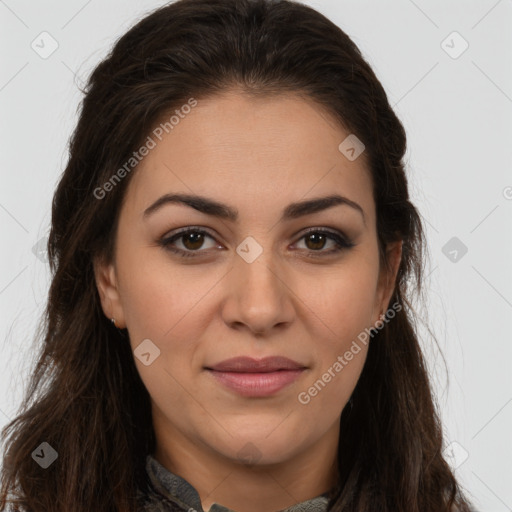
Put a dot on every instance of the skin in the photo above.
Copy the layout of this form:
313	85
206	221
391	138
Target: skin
257	155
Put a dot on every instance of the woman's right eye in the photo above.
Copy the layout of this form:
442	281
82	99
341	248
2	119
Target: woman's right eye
191	239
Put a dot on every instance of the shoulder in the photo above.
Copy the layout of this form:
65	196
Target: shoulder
154	502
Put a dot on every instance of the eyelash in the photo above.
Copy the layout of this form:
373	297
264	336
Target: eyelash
342	243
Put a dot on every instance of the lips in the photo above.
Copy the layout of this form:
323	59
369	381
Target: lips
256	377
249	365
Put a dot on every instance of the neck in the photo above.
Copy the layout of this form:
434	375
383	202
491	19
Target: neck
247	488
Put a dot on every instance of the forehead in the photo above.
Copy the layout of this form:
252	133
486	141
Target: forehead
257	154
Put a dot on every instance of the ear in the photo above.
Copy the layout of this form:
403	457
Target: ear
387	279
106	282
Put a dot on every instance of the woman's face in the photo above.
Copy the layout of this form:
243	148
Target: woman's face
248	281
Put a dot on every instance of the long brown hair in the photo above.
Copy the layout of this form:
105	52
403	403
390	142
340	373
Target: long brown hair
85	397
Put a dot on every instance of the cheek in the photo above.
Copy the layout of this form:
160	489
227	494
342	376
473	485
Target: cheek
343	300
163	305
166	306
344	306
157	299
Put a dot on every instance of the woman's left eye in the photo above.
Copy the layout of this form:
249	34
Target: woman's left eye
192	239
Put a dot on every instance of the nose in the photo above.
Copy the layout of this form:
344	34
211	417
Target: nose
258	299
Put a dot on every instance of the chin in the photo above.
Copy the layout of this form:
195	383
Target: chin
257	450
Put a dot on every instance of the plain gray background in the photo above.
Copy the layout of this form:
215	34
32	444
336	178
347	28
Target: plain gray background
456	105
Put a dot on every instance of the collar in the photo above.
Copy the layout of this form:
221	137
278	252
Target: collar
180	492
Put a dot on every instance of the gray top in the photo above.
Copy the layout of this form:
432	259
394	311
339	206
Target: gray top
171	493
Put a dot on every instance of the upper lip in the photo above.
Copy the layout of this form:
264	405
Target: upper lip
250	365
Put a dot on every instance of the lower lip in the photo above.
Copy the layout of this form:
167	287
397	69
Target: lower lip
257	384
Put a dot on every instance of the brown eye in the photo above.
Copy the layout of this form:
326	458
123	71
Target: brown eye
192	242
315	241
193	239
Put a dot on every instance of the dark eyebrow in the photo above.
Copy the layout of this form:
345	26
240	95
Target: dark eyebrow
223	211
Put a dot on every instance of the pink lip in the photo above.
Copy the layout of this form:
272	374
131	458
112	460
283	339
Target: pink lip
250	365
257	378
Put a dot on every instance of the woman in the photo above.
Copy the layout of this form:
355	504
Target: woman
229	323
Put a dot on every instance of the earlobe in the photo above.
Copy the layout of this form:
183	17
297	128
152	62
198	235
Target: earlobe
106	283
387	279
395	258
